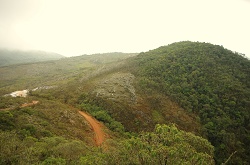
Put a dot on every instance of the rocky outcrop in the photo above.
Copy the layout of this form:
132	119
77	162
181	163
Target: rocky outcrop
117	87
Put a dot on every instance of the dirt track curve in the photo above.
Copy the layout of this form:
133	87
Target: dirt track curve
99	134
96	126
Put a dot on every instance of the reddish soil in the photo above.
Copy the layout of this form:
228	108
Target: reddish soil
5	109
96	126
29	104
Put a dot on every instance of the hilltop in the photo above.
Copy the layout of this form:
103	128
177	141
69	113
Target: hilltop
207	80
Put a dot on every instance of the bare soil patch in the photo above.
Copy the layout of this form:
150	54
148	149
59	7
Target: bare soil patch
96	126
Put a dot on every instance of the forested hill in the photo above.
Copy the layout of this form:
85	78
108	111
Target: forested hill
210	81
10	57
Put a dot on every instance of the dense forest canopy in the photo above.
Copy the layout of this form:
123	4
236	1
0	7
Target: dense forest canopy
208	80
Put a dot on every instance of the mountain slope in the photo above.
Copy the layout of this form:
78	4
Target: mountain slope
10	57
58	72
202	88
52	132
208	80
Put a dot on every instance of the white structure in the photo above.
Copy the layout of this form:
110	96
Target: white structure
22	93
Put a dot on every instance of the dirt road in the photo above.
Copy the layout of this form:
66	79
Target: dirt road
99	134
96	126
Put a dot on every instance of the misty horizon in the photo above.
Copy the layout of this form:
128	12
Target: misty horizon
73	28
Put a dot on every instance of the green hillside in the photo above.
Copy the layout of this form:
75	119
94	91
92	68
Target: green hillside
10	57
57	72
52	132
207	80
156	107
42	134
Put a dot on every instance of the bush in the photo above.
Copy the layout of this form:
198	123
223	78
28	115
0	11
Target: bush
7	121
54	161
103	116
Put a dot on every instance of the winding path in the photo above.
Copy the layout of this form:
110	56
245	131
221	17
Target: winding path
96	126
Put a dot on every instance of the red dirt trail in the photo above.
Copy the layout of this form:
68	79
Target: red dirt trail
29	104
96	126
99	134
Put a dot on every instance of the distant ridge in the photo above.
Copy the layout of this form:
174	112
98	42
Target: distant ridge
11	57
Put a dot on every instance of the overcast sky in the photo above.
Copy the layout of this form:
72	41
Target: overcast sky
75	27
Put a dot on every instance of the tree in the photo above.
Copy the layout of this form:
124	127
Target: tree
166	145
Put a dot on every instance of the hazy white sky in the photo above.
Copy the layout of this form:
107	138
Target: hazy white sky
75	27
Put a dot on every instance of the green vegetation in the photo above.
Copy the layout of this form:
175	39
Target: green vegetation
100	114
47	133
47	118
51	133
47	150
210	81
200	87
166	145
58	72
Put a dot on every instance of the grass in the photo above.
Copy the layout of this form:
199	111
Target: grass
29	76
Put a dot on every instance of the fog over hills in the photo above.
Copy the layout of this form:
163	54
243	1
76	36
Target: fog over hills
10	57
